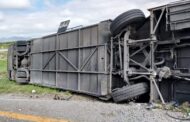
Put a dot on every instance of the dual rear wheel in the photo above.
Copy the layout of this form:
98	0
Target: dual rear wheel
134	18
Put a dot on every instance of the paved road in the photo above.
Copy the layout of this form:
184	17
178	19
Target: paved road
32	110
8	119
26	109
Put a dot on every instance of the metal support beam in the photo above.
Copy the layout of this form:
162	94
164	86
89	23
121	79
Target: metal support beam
56	57
158	22
88	59
64	57
67	49
139	64
151	23
126	57
156	86
137	51
111	63
153	94
120	54
79	63
49	61
139	41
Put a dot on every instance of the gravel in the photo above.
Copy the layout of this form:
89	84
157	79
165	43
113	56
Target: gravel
83	109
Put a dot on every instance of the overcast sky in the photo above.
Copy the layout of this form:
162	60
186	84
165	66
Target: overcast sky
33	18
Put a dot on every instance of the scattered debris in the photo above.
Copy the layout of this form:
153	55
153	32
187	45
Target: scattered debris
151	106
62	97
33	91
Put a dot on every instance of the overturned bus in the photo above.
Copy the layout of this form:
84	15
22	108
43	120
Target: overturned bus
130	57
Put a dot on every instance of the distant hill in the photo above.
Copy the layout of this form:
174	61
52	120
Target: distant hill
13	38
